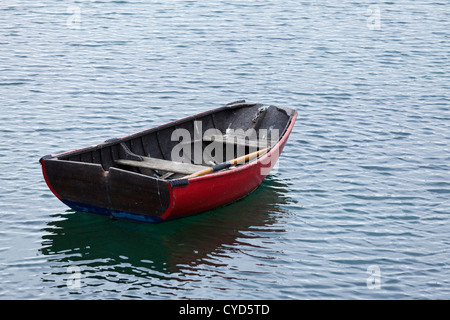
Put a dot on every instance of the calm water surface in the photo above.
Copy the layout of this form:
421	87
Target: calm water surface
363	183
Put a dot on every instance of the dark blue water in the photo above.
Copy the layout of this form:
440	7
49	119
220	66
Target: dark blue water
357	209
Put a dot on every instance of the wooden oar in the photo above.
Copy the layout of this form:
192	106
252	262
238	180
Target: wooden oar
227	164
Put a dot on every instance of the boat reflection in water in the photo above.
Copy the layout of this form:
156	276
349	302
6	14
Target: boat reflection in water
101	246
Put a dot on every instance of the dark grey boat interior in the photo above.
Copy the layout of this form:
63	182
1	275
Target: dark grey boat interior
238	128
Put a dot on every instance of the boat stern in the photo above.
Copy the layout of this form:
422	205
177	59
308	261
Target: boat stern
115	193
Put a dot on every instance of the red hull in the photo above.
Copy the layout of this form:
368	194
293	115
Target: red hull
214	190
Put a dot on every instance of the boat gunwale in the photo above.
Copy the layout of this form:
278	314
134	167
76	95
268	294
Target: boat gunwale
222	173
114	141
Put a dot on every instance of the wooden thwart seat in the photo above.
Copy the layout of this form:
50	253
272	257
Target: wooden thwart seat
163	165
137	161
240	140
234	139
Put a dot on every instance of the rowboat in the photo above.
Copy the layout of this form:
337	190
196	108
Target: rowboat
174	170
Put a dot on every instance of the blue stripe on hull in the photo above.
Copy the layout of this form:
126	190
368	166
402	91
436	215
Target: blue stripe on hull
111	213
